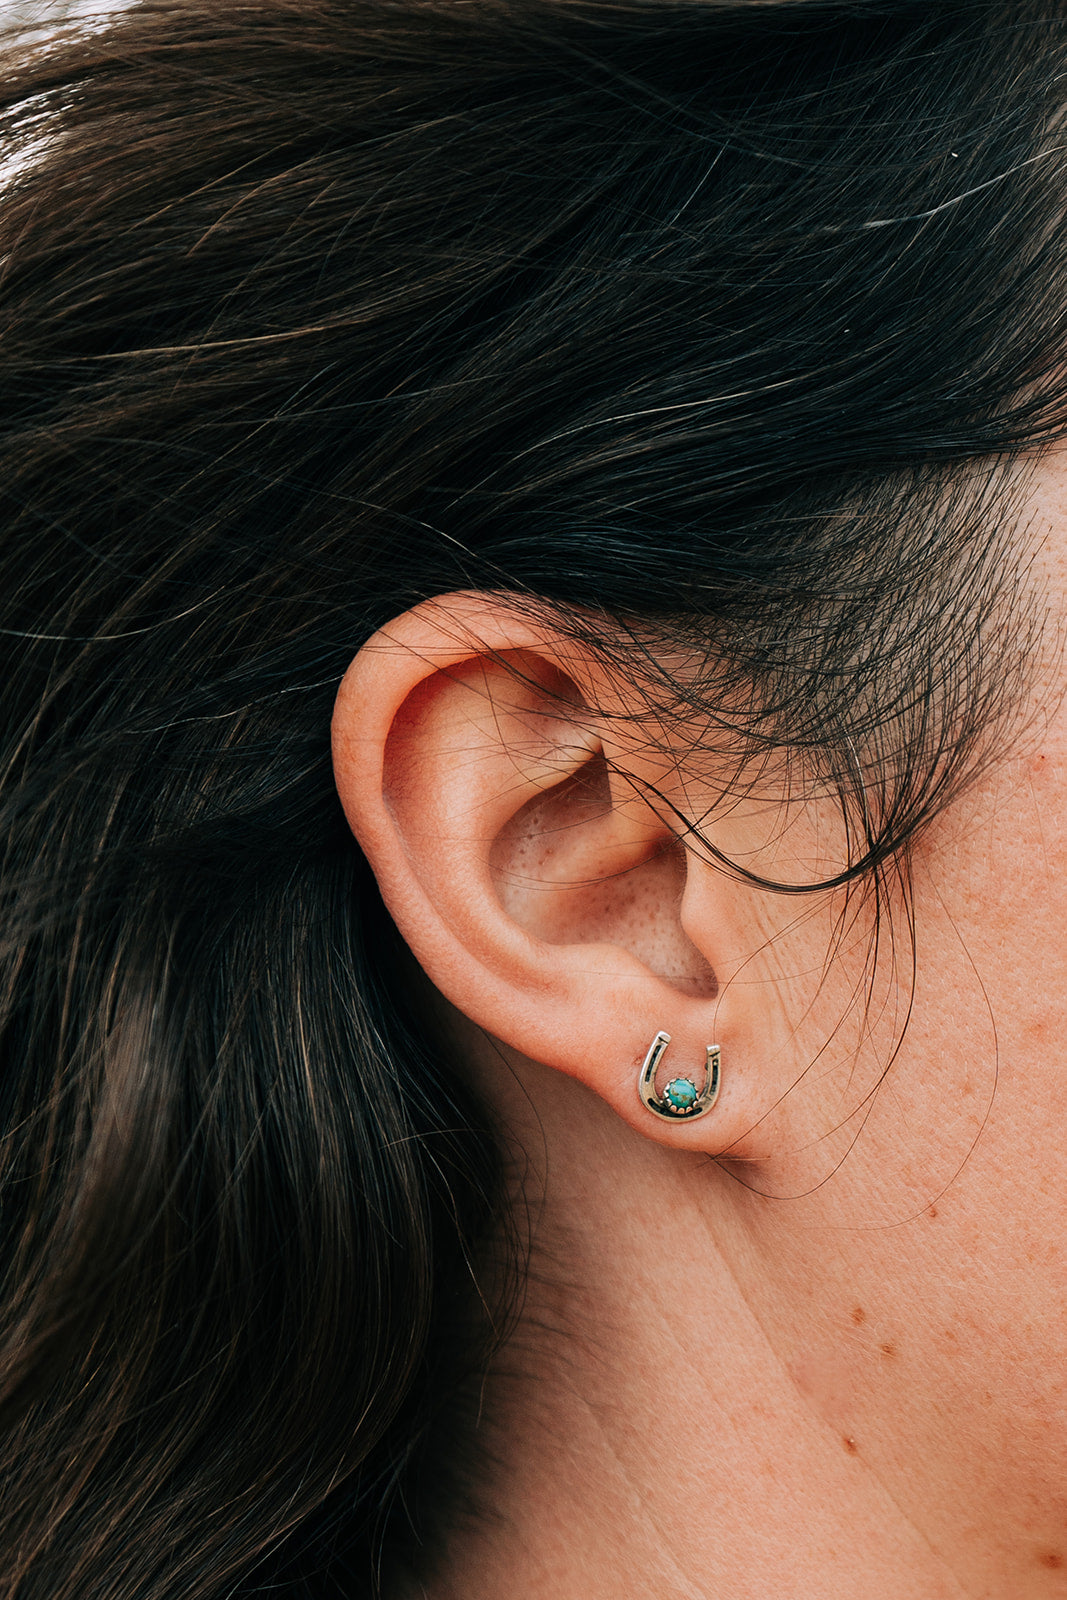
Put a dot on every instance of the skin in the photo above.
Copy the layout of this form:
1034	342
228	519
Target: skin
815	1344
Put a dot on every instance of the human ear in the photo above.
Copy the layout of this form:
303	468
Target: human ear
518	852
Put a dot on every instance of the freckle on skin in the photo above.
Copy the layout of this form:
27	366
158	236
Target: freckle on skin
889	1350
858	1315
1050	1558
932	1212
850	1444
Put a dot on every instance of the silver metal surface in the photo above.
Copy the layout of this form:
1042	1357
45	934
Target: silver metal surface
706	1097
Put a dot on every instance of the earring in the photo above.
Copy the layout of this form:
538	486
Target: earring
680	1097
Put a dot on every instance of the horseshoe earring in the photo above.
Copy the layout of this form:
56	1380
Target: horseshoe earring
680	1097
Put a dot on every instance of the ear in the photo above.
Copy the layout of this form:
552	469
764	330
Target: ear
518	851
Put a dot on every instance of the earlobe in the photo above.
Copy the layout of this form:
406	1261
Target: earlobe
535	885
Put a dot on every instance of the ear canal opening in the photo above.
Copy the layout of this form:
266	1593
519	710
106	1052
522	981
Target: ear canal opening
570	868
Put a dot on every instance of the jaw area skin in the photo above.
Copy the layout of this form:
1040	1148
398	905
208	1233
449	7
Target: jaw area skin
651	1429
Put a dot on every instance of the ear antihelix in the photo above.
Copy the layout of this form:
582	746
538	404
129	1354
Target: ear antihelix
681	1098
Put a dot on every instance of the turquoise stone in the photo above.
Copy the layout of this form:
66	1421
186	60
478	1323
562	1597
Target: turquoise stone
681	1094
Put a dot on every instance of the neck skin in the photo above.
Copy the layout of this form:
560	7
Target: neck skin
655	1426
711	1392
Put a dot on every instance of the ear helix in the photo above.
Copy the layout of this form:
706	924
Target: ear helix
680	1098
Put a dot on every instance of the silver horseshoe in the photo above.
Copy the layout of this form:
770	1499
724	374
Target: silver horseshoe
680	1099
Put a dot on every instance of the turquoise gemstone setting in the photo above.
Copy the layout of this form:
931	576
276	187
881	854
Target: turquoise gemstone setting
681	1095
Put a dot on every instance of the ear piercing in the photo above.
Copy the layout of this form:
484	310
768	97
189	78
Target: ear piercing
681	1097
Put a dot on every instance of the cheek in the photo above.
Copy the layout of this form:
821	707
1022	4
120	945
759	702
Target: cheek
991	1006
995	882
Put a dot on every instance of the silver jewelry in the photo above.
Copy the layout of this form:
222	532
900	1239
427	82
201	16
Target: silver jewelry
681	1098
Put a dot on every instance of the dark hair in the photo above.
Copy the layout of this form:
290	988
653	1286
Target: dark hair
724	324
